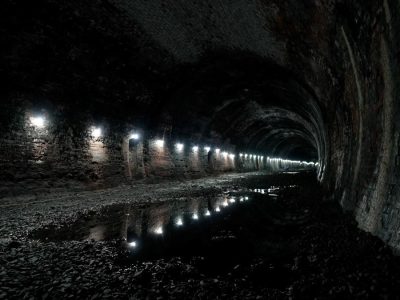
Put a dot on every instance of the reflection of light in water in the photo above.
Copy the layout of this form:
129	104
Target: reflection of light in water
225	203
241	199
158	230
207	213
217	209
262	191
195	217
179	222
246	198
232	200
132	244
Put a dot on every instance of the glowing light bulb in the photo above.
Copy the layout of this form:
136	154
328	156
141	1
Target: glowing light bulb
179	222
179	146
225	203
135	136
96	132
246	198
207	149
159	143
159	230
38	122
241	199
232	200
132	244
195	217
195	148
207	214
225	154
217	150
217	209
232	156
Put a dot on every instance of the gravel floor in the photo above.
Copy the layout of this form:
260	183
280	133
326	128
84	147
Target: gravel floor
312	250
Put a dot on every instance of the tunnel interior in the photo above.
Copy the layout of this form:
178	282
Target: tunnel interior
122	120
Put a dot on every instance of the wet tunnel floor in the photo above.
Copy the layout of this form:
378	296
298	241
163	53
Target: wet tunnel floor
269	236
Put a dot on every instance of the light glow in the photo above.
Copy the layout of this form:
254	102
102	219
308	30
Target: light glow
159	143
207	214
159	230
232	200
38	122
135	136
132	244
179	222
217	209
96	132
217	150
225	203
195	216
195	148
232	156
179	146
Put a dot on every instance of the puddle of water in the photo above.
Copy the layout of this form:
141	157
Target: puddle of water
227	228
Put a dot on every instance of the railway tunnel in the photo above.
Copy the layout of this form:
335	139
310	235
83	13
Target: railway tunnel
121	118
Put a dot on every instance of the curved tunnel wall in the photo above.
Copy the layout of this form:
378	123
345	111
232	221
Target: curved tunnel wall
302	79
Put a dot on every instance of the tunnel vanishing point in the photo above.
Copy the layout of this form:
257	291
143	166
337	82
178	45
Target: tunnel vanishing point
107	93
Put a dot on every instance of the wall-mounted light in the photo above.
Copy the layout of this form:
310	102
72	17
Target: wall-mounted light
96	132
179	146
159	143
132	244
179	222
134	136
207	149
225	154
195	216
232	200
232	156
195	148
207	214
217	209
38	121
158	230
217	150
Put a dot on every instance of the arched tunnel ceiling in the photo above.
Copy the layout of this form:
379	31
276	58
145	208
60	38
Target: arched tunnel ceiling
246	72
241	83
256	104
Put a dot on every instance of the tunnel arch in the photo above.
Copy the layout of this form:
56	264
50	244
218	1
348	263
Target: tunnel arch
251	101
